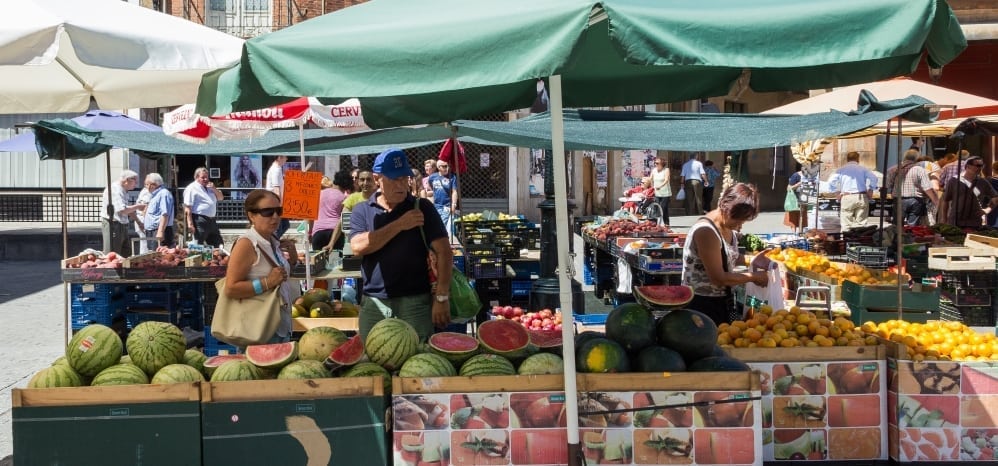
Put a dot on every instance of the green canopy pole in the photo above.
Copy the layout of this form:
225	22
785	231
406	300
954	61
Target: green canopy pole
883	185
898	221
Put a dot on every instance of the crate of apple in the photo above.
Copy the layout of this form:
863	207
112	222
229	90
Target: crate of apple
544	320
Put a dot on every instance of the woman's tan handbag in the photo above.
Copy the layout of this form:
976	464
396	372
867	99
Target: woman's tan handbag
247	321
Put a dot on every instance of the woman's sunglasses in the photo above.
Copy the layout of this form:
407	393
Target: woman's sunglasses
269	211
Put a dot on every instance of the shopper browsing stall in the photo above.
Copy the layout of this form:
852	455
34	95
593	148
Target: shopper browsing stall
158	220
911	182
855	184
388	231
117	214
326	231
968	199
256	264
711	254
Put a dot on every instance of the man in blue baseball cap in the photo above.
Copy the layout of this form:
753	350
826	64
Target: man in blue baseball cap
392	231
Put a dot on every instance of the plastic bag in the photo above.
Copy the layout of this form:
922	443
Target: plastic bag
681	195
771	294
790	203
464	301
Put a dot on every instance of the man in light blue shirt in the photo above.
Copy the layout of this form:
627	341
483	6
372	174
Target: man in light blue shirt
855	184
159	213
692	179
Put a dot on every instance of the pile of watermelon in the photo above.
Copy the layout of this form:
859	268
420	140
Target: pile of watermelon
637	341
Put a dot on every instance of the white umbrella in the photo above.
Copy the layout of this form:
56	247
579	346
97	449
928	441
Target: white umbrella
55	55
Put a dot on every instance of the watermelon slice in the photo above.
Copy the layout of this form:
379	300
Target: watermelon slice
455	347
546	340
272	356
505	338
663	296
213	362
347	354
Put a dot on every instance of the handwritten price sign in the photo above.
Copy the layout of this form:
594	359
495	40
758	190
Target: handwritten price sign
301	194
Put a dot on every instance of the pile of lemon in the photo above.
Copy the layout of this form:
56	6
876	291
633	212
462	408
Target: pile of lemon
937	340
790	328
796	260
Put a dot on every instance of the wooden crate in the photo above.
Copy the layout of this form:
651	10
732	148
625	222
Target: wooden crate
807	354
93	274
961	259
982	243
140	267
132	424
313	421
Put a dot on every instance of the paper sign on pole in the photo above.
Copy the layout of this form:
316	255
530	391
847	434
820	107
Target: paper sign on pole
301	194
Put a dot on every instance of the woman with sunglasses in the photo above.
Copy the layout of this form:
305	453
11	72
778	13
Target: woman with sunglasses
256	263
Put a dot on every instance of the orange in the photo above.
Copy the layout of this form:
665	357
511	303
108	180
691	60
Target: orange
767	343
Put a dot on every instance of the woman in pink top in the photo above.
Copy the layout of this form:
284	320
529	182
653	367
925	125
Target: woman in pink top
326	231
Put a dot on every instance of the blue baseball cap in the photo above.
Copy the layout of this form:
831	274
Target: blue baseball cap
392	164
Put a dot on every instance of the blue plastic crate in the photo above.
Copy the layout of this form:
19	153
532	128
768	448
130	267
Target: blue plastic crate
590	319
212	346
135	318
158	297
521	288
459	262
95	304
587	276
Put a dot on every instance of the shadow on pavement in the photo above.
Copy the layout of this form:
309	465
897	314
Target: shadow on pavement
23	278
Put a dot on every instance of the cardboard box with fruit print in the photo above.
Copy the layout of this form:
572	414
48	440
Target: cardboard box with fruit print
821	404
681	418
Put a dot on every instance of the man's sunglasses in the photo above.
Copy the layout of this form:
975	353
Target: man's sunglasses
269	211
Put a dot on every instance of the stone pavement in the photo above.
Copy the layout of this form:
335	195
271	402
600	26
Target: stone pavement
33	309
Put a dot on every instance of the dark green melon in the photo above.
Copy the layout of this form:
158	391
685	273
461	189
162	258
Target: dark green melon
690	333
658	359
718	364
632	325
601	355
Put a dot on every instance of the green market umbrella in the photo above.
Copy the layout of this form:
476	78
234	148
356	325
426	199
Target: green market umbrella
439	60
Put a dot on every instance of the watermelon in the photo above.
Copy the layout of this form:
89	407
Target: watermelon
549	341
658	359
370	369
315	295
347	354
125	359
632	325
272	356
177	373
690	333
236	370
154	345
601	355
487	364
718	364
390	342
304	369
214	362
59	375
120	374
63	360
427	365
456	347
505	338
542	363
583	337
93	349
318	342
195	359
663	296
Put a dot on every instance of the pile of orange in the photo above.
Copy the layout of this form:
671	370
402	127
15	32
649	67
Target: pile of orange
796	260
937	340
790	328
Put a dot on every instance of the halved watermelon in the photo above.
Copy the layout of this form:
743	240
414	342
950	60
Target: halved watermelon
455	347
214	362
505	338
272	356
549	341
347	354
663	296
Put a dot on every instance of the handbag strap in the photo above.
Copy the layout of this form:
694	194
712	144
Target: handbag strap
724	252
257	247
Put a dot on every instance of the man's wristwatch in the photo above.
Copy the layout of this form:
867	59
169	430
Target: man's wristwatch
442	298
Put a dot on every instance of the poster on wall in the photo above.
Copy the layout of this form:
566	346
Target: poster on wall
637	164
600	167
245	174
536	172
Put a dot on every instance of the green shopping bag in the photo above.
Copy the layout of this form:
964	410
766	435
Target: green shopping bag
464	301
790	204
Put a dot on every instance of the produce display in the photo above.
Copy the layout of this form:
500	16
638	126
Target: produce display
797	260
663	296
479	216
937	340
317	302
544	320
96	259
618	227
789	328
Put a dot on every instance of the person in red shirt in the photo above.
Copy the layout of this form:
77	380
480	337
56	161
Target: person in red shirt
637	195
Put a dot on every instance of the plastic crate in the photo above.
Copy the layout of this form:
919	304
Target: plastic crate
587	276
969	279
208	303
967	296
520	289
152	297
459	263
95	304
135	318
524	268
868	256
972	316
494	269
212	346
494	291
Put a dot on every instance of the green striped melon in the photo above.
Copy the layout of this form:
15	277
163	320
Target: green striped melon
236	370
390	342
370	369
427	365
177	373
542	363
125	359
456	347
155	345
59	375
61	360
487	364
121	374
93	349
304	369
195	359
318	342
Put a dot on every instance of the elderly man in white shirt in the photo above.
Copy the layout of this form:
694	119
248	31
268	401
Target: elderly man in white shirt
855	185
200	203
117	214
692	179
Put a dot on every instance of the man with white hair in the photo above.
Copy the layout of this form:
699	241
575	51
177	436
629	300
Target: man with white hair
159	213
117	214
200	202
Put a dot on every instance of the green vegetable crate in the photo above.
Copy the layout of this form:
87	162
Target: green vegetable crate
879	304
131	424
